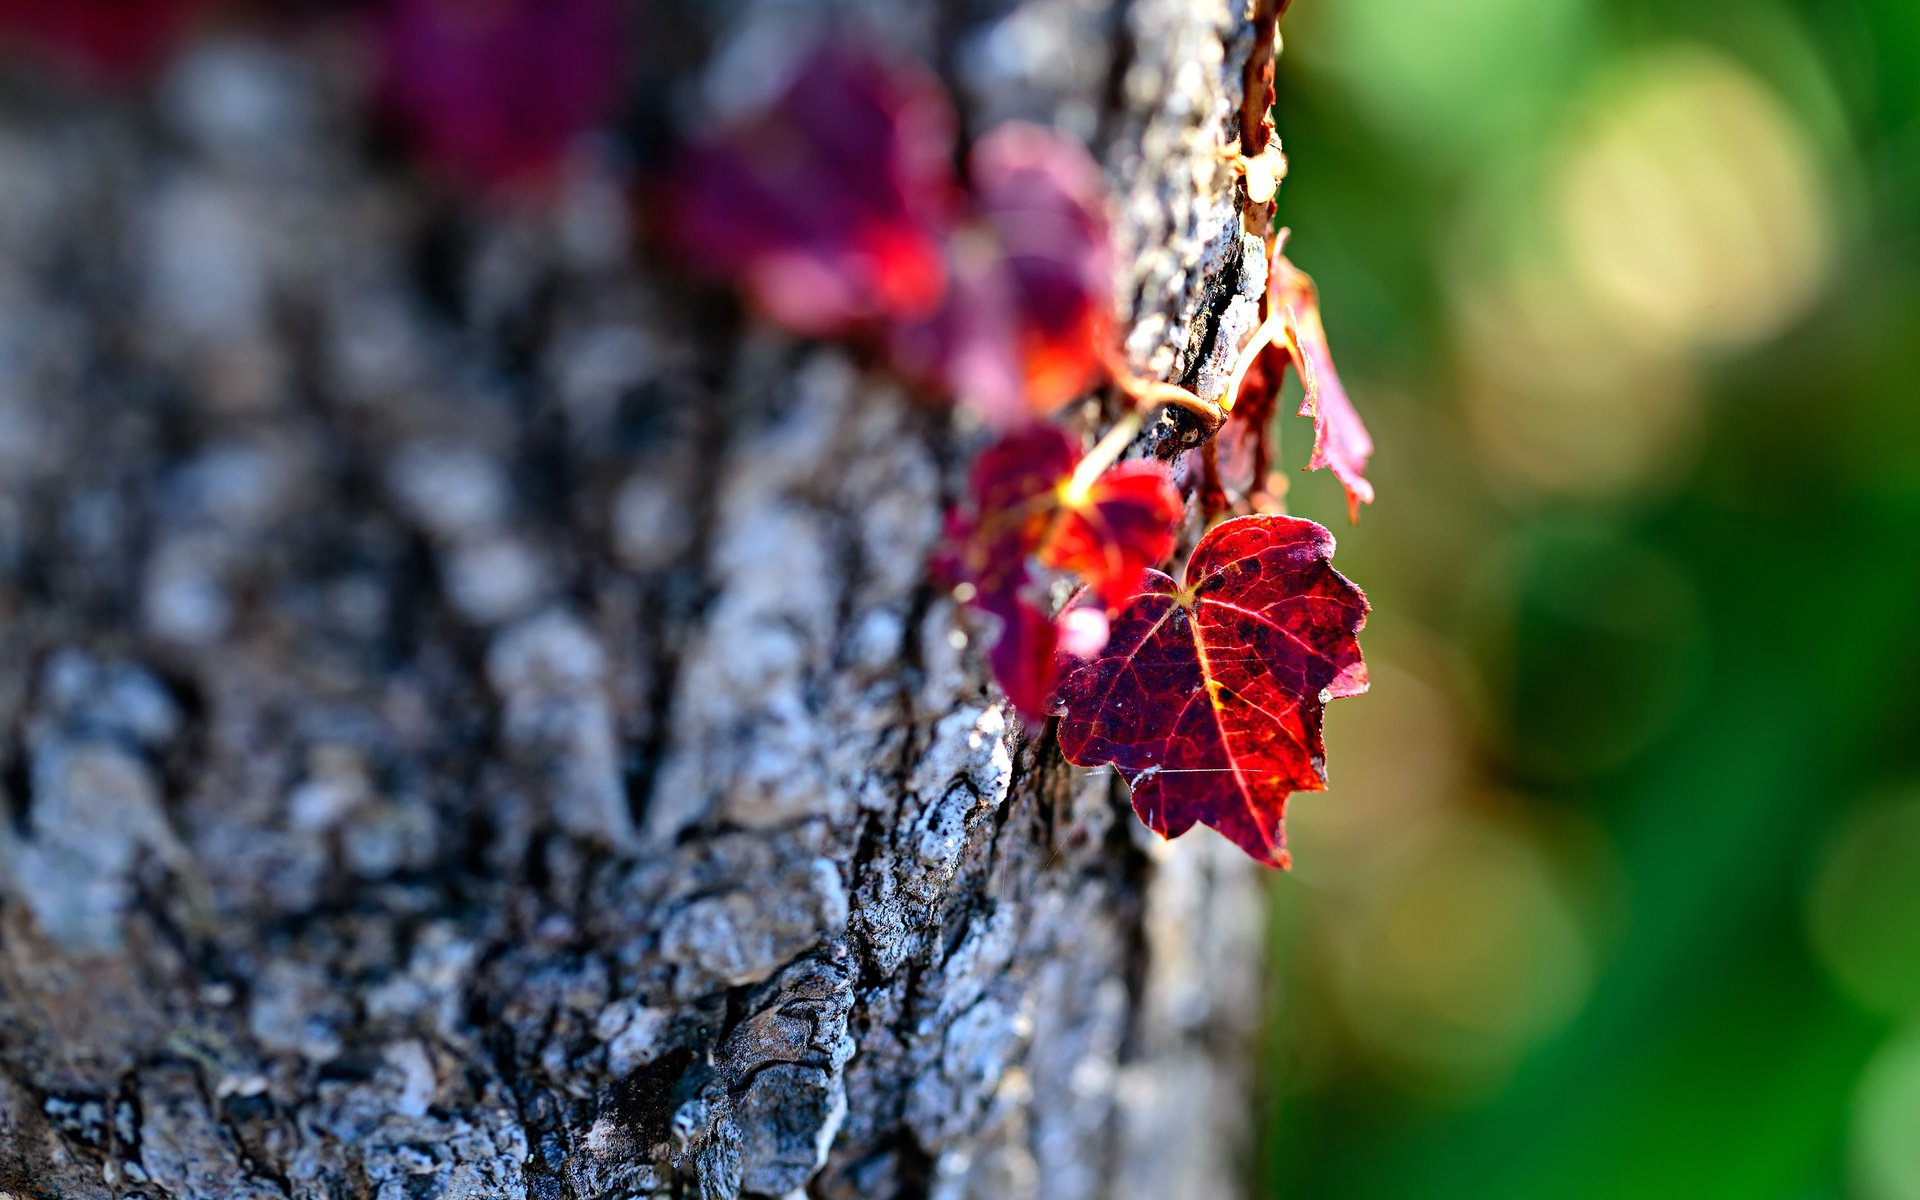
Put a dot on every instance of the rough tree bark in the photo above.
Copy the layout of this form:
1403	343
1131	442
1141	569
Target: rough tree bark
474	717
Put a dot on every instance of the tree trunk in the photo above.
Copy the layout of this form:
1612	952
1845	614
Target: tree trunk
476	720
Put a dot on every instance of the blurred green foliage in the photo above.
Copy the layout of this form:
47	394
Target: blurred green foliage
1616	890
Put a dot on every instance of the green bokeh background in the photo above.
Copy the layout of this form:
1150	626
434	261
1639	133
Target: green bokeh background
1616	890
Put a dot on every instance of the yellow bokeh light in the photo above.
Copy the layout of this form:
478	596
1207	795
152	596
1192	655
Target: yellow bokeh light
1394	770
1692	203
1684	213
1555	399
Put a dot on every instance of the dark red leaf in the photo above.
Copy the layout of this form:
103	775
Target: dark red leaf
1025	501
1208	698
1028	314
989	549
1024	505
829	206
107	39
1340	440
1012	499
494	91
1243	447
1122	526
1023	655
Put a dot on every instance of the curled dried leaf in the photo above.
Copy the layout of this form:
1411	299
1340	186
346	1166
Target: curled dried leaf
1293	333
1340	439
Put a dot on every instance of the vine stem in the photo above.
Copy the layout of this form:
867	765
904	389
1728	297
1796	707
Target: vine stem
1148	394
1152	394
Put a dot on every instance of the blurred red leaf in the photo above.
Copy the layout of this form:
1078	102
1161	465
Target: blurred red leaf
494	91
1026	500
1023	654
106	39
1243	448
1028	316
829	205
1340	440
1122	526
1024	504
1012	499
1208	697
989	549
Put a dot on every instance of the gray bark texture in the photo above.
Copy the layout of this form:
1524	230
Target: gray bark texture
475	720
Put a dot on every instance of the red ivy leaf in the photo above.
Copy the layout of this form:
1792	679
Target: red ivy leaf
494	91
828	206
1208	698
1024	654
1243	447
989	550
1121	527
1023	505
1024	324
108	39
1340	440
1011	501
1025	502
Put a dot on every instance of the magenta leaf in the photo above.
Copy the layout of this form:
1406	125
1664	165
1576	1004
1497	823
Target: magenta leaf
830	205
1024	326
494	92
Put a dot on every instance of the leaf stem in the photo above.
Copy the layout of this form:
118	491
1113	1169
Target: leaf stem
1104	454
1262	338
